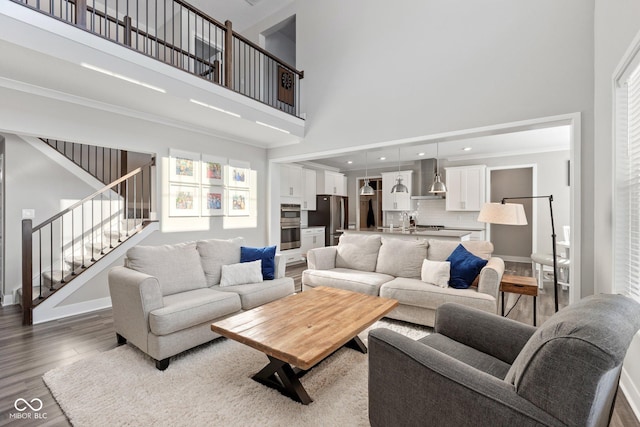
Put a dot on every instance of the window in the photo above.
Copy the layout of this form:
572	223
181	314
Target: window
627	179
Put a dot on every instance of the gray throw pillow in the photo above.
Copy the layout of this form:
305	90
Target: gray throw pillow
358	252
401	258
214	253
177	267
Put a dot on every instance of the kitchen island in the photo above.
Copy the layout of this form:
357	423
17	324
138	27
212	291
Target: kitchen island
413	233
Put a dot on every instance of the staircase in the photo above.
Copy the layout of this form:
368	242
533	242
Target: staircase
64	252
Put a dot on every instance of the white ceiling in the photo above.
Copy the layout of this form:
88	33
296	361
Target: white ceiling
240	12
508	144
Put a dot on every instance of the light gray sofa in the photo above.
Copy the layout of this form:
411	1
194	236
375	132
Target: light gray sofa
166	297
483	370
391	267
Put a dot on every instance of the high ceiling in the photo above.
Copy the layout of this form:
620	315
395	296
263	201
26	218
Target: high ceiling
242	13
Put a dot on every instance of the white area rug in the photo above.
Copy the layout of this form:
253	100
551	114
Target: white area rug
211	386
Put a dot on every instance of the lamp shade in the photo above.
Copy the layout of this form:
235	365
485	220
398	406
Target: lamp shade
399	187
438	186
367	189
503	213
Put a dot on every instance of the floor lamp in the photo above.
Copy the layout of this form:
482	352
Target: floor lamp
513	214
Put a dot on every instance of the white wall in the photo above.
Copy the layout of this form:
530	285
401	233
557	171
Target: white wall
282	47
32	181
414	68
616	25
66	121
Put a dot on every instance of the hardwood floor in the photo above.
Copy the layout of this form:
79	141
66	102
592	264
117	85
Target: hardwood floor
26	353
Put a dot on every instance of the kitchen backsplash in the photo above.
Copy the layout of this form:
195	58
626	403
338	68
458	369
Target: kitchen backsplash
433	212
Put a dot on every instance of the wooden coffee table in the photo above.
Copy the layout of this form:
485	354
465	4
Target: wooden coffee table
301	330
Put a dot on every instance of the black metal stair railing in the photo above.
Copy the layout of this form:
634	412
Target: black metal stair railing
104	164
178	34
59	249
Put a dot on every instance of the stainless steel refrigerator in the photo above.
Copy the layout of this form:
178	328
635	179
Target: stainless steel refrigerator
333	213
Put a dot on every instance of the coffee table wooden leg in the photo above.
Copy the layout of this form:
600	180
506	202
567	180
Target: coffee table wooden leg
286	381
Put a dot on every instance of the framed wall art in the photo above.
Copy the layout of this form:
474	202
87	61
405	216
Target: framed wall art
184	200
212	201
238	173
213	170
184	167
238	202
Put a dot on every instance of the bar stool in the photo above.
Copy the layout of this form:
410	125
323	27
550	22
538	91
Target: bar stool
538	261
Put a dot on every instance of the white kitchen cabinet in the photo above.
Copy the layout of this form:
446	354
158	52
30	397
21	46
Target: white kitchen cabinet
396	201
308	190
332	183
312	237
290	181
465	188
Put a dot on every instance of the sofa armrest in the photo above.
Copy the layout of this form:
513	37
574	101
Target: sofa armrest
281	266
322	258
490	277
411	383
133	296
489	333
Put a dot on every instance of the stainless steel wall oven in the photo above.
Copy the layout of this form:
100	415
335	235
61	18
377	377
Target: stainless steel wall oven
289	226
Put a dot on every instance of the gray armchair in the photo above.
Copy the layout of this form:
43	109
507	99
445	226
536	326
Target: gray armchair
481	369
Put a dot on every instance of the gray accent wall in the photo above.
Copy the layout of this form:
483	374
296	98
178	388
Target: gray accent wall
510	240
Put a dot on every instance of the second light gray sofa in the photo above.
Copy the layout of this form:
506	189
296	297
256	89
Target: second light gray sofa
391	267
165	297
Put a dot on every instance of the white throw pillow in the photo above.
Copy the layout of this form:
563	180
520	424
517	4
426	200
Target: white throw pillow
242	273
401	258
436	272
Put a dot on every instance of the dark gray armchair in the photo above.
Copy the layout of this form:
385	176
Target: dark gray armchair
479	369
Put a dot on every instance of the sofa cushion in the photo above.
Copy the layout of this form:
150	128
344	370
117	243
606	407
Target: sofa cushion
214	253
401	258
465	267
439	250
343	278
358	252
242	273
192	308
436	272
256	294
417	293
177	267
267	255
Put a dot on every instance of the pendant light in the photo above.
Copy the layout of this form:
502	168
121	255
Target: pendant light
399	187
437	186
366	189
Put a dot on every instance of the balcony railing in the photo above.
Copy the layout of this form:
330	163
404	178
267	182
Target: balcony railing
178	34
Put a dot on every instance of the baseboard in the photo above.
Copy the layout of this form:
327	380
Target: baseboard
60	312
8	300
514	258
631	392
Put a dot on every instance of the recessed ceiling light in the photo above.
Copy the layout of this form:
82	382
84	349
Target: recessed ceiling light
382	158
466	149
420	154
349	162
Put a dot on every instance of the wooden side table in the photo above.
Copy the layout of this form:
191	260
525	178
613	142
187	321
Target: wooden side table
519	285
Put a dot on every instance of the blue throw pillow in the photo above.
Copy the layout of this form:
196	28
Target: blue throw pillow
267	255
465	267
